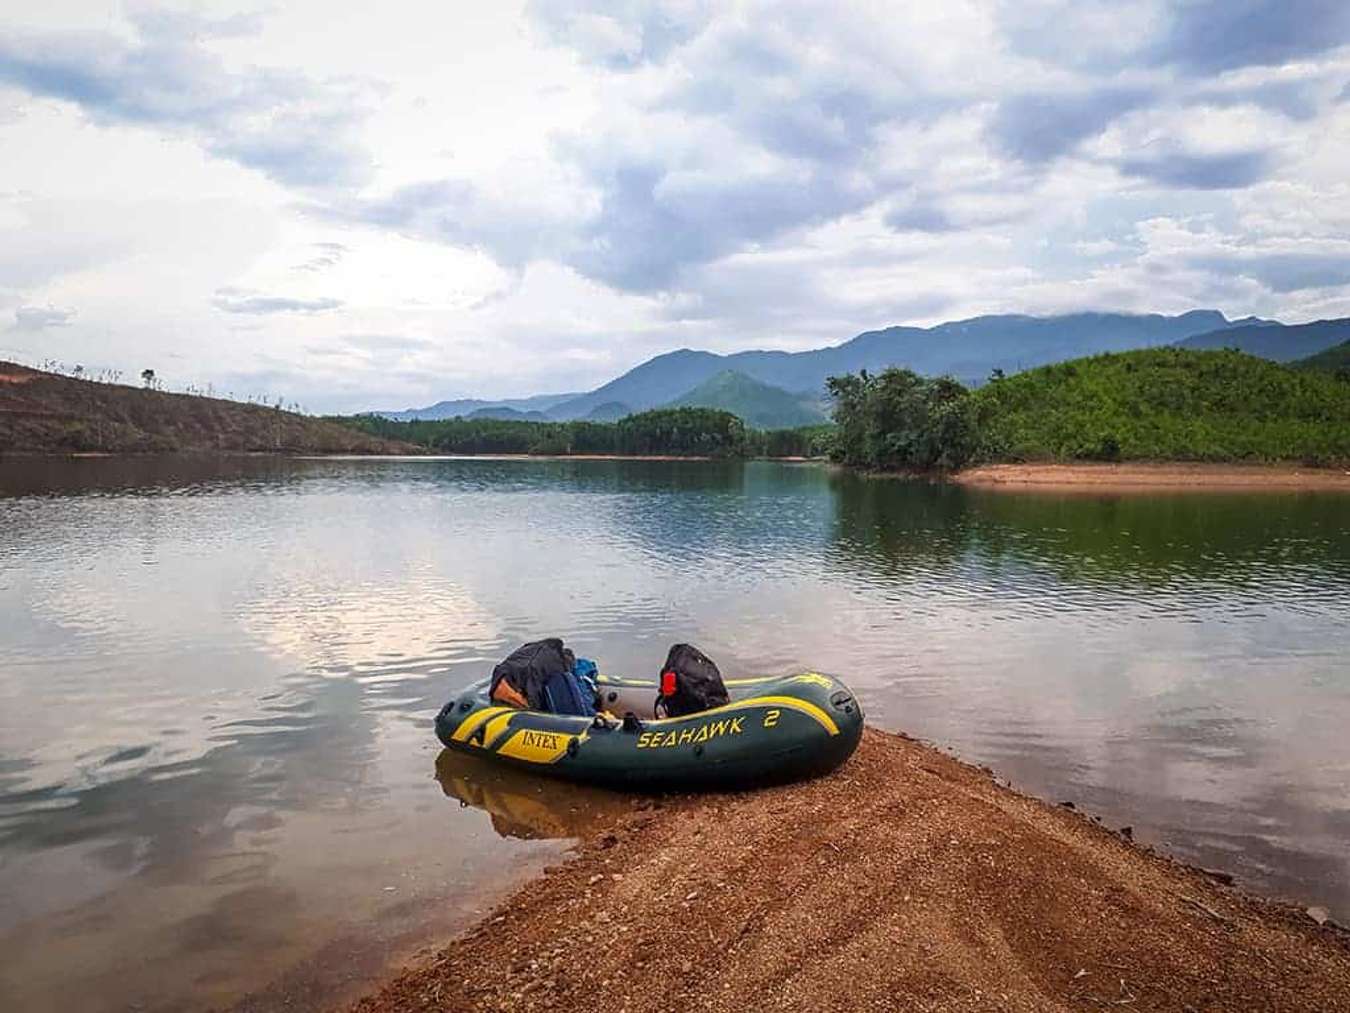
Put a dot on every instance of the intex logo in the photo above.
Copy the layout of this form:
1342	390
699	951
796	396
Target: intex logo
540	740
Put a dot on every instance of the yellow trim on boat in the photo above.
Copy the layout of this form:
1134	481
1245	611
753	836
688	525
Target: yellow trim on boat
470	724
814	678
797	704
496	727
790	702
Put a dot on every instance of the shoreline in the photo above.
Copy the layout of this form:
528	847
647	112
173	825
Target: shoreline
1065	478
1152	476
411	453
905	879
196	453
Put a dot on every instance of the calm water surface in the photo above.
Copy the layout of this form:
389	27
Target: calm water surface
218	783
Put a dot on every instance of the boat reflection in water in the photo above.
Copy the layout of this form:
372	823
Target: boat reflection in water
524	805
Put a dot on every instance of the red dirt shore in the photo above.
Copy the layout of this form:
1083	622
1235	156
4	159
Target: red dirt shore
1154	477
906	880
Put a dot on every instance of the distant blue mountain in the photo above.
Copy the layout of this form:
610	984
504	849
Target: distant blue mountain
1274	340
465	407
504	413
966	349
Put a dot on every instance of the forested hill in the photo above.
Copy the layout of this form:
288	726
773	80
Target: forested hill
1168	404
759	405
42	413
1159	404
1334	360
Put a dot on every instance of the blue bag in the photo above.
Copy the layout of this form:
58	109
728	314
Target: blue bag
571	692
586	671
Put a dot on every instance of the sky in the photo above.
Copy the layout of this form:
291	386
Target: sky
355	206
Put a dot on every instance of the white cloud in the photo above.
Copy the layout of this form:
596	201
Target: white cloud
39	318
406	203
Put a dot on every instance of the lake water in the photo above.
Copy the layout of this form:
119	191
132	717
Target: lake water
218	782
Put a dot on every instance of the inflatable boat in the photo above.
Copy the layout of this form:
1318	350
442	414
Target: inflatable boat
773	730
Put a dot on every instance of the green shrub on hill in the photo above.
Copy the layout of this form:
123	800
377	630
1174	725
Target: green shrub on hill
1165	404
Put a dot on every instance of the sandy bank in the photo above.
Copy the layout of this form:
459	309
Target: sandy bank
905	880
1154	477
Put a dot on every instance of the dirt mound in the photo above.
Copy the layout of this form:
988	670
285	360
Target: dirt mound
905	880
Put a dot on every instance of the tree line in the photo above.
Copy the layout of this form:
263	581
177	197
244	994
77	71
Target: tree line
1164	404
677	432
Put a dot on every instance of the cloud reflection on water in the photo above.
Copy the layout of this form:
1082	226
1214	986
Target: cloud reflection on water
216	696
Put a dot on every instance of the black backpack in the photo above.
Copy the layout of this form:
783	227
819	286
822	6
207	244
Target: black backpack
529	667
690	683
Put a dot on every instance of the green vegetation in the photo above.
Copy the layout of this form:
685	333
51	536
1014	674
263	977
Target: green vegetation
1165	404
1335	360
679	432
803	441
760	405
898	419
1154	404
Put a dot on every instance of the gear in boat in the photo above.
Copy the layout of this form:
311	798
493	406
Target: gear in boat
545	710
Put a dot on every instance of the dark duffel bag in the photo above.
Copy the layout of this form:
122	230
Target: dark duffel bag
529	668
690	683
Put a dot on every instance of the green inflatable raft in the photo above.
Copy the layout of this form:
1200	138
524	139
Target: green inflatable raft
773	730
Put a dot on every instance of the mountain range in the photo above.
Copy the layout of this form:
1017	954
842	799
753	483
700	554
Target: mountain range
468	406
778	385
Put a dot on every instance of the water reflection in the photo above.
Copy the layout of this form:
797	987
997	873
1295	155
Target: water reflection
521	805
217	679
378	632
891	527
1173	662
287	831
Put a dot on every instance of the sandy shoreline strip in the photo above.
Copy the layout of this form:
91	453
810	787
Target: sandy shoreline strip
905	880
1154	477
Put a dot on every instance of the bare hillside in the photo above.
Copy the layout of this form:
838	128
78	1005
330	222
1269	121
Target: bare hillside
44	413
